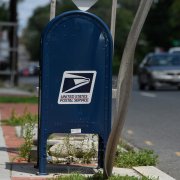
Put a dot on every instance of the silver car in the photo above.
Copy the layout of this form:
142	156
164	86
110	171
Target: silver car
157	70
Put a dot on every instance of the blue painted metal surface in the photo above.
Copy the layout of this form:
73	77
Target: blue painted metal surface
76	48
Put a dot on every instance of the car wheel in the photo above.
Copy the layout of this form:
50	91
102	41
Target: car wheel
142	86
151	87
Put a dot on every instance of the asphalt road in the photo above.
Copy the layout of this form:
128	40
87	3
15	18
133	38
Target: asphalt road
153	122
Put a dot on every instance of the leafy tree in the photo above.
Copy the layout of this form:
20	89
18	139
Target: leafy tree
3	12
174	17
32	33
129	4
36	24
157	28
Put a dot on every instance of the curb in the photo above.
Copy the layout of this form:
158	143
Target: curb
15	92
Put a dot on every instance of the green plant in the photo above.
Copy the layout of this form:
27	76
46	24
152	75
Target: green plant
15	120
133	158
98	176
68	146
125	145
28	134
69	177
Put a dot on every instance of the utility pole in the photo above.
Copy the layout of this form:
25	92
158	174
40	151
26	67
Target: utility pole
113	18
13	42
53	9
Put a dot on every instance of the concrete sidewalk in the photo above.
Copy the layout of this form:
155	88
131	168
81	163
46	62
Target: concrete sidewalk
14	92
4	159
24	171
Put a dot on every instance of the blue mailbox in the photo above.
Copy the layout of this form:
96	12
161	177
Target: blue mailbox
75	80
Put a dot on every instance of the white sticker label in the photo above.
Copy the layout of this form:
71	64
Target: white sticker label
75	131
77	87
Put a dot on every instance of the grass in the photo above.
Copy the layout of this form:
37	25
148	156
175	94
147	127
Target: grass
99	176
135	158
18	99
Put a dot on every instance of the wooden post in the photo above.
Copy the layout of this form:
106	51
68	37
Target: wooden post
124	85
53	9
113	18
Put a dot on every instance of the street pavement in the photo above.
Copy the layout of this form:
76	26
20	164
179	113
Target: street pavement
4	170
153	122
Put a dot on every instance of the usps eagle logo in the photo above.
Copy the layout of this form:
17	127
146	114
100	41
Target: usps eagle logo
77	87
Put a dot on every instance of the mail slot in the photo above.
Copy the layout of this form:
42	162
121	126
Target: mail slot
75	80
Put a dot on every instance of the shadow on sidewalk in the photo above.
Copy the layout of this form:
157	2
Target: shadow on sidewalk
19	169
9	150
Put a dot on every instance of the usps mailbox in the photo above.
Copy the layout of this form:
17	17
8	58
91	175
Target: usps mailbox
75	81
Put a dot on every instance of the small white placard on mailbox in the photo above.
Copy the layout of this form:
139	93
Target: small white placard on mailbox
75	131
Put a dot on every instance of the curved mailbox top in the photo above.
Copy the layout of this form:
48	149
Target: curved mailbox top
76	74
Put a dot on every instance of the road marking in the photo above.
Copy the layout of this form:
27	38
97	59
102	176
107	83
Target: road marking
130	132
177	154
149	143
151	95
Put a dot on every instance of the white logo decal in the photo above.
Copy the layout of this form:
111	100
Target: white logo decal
77	87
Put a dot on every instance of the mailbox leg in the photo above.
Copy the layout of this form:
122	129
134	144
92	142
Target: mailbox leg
38	143
101	153
42	154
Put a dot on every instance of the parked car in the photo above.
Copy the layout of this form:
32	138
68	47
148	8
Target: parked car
30	70
157	70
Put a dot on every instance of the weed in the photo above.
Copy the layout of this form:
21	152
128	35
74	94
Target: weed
28	134
99	176
15	120
133	158
69	177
